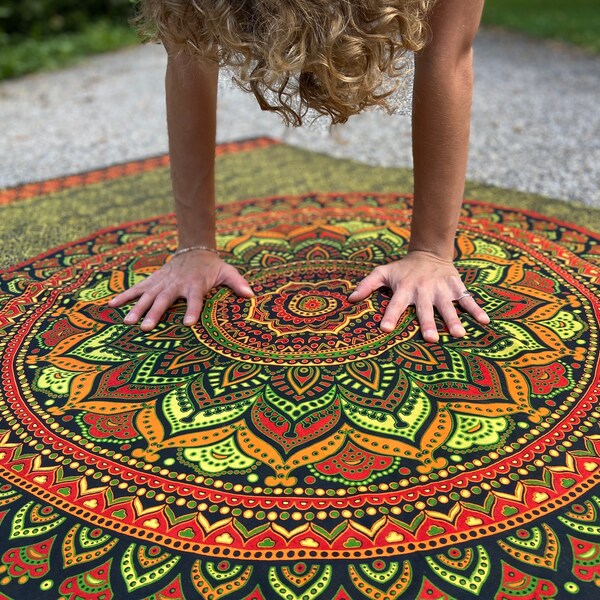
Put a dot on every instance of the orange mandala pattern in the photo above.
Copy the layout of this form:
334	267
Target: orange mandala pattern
286	446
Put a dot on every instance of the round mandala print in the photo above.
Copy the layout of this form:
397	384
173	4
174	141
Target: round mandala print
289	426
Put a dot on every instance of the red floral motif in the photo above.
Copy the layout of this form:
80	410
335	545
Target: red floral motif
516	583
546	379
537	281
29	561
118	426
61	330
354	463
586	559
286	433
91	585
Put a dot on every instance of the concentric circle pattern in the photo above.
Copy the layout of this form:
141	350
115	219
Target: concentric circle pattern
288	428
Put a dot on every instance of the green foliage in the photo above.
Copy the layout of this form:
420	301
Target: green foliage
44	34
30	55
41	19
573	21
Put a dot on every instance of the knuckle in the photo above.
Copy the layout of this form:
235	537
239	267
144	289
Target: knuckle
424	311
165	295
423	301
155	312
194	299
142	286
397	300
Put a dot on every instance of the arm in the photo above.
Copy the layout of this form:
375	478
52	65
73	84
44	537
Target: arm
443	93
442	98
191	97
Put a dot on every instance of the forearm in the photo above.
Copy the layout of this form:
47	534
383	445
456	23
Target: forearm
191	94
441	124
441	118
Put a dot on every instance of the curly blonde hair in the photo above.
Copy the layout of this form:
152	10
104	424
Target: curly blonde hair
332	56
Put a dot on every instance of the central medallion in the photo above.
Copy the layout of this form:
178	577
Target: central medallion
306	307
300	314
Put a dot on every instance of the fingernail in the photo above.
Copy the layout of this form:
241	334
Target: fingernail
146	323
247	290
189	321
431	333
128	319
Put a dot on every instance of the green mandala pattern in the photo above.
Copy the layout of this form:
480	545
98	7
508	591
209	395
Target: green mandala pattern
286	447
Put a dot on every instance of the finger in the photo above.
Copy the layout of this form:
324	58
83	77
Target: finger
370	283
194	308
457	286
396	307
235	280
161	303
450	317
124	297
139	308
469	304
427	322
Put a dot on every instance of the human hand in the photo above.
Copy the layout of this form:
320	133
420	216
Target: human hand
190	276
422	279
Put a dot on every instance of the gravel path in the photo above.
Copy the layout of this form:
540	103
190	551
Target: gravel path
536	123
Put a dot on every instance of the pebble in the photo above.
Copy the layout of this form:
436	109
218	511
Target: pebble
535	126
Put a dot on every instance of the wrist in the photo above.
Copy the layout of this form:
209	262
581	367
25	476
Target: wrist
196	230
196	240
196	220
445	255
437	241
196	249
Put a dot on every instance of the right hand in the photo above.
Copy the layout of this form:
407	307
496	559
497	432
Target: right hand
190	276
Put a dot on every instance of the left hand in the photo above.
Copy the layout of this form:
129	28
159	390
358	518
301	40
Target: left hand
426	281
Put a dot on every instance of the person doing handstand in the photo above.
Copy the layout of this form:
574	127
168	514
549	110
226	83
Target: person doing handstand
331	56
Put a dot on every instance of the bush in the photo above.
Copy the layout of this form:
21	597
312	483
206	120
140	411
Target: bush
41	19
575	21
37	35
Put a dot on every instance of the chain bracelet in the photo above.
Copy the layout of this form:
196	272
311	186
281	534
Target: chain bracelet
190	248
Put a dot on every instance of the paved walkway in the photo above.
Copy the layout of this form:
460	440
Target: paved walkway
536	123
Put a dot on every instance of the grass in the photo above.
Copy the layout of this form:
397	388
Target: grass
572	21
30	55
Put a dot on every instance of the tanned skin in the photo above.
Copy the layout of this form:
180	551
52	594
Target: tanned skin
425	277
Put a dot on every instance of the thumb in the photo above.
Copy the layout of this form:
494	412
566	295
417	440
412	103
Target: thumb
236	281
369	284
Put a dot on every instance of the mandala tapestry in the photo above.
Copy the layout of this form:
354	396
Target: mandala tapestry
287	448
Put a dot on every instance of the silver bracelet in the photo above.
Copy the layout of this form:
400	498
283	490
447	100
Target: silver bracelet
190	248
